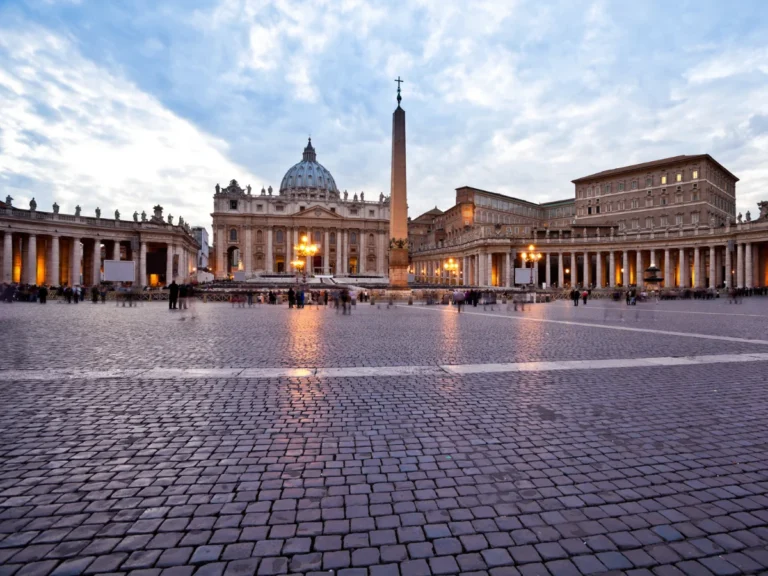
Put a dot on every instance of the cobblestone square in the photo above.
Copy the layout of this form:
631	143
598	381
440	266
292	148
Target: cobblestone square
395	441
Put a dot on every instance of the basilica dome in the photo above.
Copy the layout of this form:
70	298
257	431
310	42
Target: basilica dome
308	178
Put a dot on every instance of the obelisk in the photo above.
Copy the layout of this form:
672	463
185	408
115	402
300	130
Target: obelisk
398	202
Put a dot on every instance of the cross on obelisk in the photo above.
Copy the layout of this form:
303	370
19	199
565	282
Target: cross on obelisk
399	81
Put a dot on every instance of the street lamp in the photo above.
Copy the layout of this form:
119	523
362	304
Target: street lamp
531	256
304	250
451	266
298	266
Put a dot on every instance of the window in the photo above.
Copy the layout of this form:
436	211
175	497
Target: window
634	184
679	219
589	192
664	220
279	237
370	240
695	196
279	208
332	238
371	213
621	186
233	204
353	211
695	174
318	236
694	218
663	178
607	189
259	207
635	223
301	208
352	238
634	203
333	210
589	210
678	177
663	200
648	202
259	236
648	182
233	235
679	198
622	224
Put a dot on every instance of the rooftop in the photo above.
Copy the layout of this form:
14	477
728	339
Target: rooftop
654	164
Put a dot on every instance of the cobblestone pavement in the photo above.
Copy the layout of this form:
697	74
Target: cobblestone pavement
641	470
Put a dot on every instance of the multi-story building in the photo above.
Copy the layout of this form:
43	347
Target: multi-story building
677	213
201	235
257	233
682	190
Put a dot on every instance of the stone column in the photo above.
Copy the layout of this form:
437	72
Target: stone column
712	267
345	252
560	270
574	272
7	257
490	269
248	252
96	261
548	272
326	254
653	257
361	254
31	268
339	266
585	264
52	275
599	270
639	270
116	250
682	266
169	264
508	269
269	260
697	283
74	262
749	271
220	247
669	281
739	265
612	269
465	270
143	265
728	268
625	266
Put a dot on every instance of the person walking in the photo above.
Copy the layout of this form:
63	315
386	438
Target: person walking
173	295
43	294
575	296
584	296
458	298
291	297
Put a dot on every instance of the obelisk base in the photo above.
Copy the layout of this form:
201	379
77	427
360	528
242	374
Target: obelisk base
398	267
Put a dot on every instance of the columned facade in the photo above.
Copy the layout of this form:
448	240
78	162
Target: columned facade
62	249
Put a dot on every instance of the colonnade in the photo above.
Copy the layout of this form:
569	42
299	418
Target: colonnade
708	265
55	260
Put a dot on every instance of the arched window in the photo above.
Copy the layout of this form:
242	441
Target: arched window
279	237
332	238
352	238
233	235
370	239
259	236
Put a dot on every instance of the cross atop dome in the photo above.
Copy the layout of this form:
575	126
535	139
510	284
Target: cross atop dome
309	152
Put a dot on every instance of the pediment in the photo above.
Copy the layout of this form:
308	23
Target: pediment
316	212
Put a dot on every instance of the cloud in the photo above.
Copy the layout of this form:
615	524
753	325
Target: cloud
75	133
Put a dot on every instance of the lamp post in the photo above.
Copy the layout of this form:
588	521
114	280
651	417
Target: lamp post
304	250
451	267
298	265
531	256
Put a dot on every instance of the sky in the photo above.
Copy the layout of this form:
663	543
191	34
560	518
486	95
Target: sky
122	105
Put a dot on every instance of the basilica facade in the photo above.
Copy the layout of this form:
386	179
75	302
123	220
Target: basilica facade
255	233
